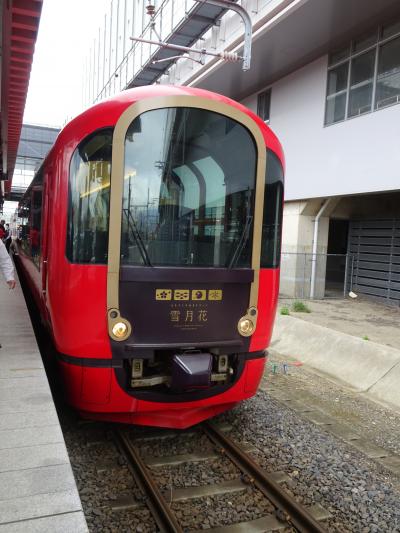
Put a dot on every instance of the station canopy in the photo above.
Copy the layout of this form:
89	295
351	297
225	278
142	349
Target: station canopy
19	29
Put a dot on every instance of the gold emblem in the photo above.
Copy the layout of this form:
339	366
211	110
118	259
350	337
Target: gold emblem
199	295
181	294
163	294
215	294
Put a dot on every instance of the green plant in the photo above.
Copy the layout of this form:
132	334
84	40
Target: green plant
365	338
300	307
285	310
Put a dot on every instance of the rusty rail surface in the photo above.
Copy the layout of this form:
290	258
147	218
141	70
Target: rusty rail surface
159	507
295	514
288	509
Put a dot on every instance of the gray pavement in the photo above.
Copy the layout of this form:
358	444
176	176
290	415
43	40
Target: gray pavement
355	342
37	486
359	317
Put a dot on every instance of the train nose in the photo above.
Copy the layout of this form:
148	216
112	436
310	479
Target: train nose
191	371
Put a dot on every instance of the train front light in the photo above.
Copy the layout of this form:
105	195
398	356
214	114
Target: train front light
119	329
245	326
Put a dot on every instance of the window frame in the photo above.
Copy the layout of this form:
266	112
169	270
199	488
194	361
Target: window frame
204	205
380	41
68	248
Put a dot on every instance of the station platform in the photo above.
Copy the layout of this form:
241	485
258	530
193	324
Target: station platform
37	487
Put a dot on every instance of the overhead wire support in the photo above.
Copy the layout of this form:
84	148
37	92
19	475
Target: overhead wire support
225	56
248	29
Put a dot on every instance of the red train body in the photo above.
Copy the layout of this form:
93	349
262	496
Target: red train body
150	237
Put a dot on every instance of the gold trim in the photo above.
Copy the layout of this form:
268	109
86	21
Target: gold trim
117	171
114	316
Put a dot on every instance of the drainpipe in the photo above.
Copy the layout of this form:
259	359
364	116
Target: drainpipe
315	245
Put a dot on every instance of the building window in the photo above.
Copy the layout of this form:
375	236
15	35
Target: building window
388	78
264	104
364	75
337	91
361	83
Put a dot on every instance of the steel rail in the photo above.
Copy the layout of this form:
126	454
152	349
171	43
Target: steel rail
296	514
162	513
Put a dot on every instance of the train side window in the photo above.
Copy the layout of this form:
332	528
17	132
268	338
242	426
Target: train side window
24	210
273	208
89	199
30	215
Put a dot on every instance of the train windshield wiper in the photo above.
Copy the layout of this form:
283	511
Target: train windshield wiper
241	242
136	235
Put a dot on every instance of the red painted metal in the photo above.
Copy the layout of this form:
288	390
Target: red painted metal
20	23
124	408
267	302
73	296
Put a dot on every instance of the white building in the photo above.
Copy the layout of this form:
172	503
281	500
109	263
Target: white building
326	75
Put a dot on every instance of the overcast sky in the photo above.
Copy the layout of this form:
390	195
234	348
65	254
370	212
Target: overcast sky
66	33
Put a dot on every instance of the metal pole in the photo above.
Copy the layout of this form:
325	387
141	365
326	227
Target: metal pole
229	56
90	77
116	44
94	72
345	276
315	247
125	18
104	53
352	270
98	65
109	55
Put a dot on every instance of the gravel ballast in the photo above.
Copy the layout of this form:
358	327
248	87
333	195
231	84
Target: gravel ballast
322	469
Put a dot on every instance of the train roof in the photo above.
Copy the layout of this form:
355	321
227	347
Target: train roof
106	113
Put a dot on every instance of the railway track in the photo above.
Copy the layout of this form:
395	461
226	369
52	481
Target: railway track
284	512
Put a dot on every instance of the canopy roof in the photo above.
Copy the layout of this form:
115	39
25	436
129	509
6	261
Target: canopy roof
19	29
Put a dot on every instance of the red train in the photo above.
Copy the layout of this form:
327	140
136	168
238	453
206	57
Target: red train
150	237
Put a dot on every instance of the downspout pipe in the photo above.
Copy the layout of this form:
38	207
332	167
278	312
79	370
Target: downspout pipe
315	247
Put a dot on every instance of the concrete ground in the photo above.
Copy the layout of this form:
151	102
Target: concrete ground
358	317
355	342
37	487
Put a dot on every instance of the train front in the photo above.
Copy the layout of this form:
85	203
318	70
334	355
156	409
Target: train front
193	248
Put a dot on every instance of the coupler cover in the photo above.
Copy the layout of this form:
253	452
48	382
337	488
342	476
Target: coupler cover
191	371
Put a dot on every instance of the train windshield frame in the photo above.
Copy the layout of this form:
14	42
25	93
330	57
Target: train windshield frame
188	190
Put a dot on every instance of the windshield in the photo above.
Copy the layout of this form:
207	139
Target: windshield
189	186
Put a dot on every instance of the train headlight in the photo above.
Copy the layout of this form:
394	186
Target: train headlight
119	329
245	326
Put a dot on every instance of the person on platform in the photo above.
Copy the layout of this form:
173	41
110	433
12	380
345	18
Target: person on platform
2	229
7	238
6	266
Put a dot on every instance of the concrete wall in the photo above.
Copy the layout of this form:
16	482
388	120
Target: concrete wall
297	244
354	156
